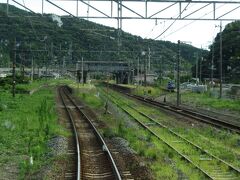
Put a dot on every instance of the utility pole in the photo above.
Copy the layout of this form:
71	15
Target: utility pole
178	74
77	9
42	6
145	72
119	26
212	66
149	59
197	69
32	63
138	77
32	70
220	61
7	7
200	70
63	65
77	72
141	70
60	48
82	72
23	70
14	69
161	69
52	52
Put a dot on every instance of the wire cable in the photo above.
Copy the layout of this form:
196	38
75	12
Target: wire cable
172	22
30	21
190	23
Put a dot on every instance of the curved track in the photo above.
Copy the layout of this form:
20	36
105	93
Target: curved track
183	111
210	165
94	158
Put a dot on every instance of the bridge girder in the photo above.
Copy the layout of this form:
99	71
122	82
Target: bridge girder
185	12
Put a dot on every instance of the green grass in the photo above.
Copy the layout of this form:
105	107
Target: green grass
88	94
184	147
192	99
148	91
205	100
220	143
148	147
145	91
26	124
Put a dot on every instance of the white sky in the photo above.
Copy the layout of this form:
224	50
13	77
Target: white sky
198	33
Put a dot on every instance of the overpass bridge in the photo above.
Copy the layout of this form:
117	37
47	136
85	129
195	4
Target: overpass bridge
121	70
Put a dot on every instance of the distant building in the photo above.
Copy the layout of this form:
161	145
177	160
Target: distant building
150	78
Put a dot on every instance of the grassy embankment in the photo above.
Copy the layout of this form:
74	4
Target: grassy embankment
27	122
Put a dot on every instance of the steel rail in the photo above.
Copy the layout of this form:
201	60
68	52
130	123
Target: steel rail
175	134
165	142
188	141
115	169
180	110
189	113
75	134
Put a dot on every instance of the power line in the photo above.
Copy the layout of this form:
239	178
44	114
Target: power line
191	22
156	24
172	22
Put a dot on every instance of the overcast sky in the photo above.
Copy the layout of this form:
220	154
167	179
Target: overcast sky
198	33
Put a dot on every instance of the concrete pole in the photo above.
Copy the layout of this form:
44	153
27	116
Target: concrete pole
149	59
82	72
14	70
178	74
7	7
200	71
32	70
77	72
138	69
212	66
197	69
145	72
220	62
42	7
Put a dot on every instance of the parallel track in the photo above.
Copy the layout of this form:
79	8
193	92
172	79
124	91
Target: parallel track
94	158
194	154
183	111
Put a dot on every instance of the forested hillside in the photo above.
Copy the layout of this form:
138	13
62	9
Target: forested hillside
50	41
230	55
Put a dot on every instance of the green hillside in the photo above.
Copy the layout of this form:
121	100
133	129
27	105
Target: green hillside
230	52
76	38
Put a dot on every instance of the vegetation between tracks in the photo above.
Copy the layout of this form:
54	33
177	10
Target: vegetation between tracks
162	160
202	159
26	124
192	99
219	142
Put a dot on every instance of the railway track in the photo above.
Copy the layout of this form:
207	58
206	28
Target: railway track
94	160
210	165
183	111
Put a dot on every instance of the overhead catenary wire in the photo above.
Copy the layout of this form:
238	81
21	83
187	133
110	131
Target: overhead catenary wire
31	24
191	22
163	22
172	22
156	24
